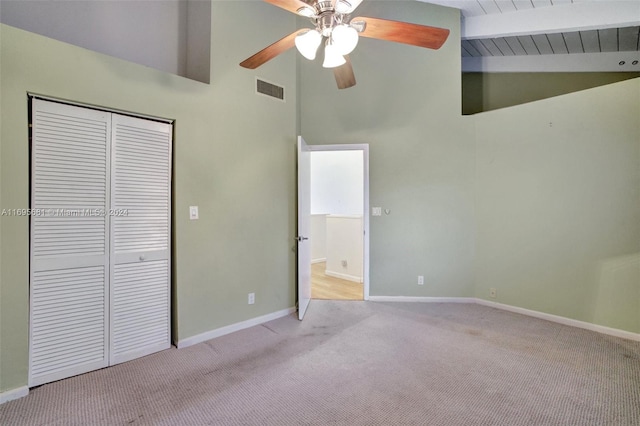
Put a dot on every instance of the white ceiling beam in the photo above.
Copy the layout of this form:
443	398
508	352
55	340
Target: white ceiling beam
581	16
585	62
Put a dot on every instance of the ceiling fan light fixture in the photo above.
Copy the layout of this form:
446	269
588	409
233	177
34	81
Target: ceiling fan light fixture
332	56
345	7
306	11
345	38
307	43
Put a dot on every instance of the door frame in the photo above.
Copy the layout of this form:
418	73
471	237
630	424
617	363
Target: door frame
364	147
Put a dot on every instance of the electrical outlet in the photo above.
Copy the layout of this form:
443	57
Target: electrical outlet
493	293
420	280
252	298
344	263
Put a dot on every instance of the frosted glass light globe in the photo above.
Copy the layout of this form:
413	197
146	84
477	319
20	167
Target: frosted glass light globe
345	38
308	43
332	57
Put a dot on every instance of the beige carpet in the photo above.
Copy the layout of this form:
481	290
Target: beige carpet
355	363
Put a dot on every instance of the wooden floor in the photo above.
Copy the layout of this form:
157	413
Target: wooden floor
326	287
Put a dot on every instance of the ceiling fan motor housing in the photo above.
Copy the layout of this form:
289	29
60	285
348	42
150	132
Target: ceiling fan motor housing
323	7
325	23
327	17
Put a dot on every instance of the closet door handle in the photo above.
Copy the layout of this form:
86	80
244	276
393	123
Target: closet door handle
142	258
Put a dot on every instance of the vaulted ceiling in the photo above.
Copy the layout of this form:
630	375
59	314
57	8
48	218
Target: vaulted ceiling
549	35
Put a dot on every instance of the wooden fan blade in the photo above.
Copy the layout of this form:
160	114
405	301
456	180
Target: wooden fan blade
271	51
290	5
404	32
344	75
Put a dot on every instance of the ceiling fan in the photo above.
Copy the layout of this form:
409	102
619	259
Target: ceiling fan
339	32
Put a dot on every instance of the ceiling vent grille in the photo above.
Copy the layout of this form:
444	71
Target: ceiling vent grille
269	89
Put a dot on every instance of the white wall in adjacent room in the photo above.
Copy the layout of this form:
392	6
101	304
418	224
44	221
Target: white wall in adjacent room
344	247
318	238
337	182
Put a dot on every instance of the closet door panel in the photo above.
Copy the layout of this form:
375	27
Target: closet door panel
68	325
69	241
140	314
140	232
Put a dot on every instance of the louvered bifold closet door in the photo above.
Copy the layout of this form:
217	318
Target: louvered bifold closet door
140	250
69	241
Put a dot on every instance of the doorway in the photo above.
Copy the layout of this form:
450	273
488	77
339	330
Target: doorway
339	223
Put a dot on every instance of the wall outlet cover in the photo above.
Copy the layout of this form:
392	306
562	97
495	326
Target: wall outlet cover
193	212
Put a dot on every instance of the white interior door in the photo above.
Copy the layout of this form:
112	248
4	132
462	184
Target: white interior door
140	237
304	227
69	242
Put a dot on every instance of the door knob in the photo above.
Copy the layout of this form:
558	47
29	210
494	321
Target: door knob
142	258
301	238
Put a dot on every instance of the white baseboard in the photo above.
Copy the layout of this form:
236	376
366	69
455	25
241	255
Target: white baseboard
422	299
563	320
203	337
343	276
536	314
319	260
12	394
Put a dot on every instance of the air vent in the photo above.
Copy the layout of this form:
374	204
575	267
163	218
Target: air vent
269	89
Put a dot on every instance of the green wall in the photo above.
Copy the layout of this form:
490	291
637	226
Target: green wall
406	106
490	91
558	205
234	157
551	216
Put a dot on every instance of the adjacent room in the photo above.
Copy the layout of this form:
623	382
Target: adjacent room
337	225
160	232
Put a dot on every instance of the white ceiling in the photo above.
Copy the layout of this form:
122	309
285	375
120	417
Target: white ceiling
549	35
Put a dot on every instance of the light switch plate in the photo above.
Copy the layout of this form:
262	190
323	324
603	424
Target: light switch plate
376	211
193	212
